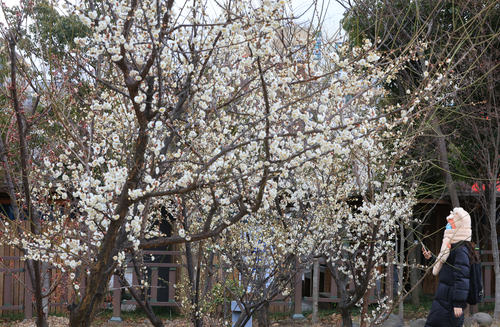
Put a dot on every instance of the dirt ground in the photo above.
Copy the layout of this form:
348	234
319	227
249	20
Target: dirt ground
63	322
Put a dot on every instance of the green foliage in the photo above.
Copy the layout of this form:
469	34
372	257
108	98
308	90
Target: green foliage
222	294
56	33
324	313
462	32
138	315
167	312
276	316
486	307
412	311
11	317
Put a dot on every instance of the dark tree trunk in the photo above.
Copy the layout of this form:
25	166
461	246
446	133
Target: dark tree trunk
346	316
414	273
35	272
444	164
194	280
263	315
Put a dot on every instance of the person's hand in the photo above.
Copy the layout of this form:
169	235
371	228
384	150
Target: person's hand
427	254
458	312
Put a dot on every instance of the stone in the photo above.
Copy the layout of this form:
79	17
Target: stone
418	323
393	321
483	319
470	322
354	324
128	307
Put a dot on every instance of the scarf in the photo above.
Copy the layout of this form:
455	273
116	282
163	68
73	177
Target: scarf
461	223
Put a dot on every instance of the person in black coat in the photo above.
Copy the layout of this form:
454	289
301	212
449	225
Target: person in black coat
451	293
453	267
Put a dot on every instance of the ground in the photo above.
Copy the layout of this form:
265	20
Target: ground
63	322
327	318
330	321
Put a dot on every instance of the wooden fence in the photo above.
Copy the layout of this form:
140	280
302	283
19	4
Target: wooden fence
488	276
15	297
332	294
157	282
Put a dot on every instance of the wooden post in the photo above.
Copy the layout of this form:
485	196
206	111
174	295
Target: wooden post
171	284
28	302
154	284
8	290
315	278
297	307
15	284
333	289
474	308
117	300
414	273
487	282
371	293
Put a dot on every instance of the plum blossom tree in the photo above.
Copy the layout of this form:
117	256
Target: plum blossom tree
344	204
356	197
20	145
14	147
259	252
360	200
465	33
202	116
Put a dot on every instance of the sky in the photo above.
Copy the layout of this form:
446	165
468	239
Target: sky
333	12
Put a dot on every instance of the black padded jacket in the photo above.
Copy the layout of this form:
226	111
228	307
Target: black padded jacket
452	289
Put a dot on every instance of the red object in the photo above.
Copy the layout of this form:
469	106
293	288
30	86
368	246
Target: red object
475	188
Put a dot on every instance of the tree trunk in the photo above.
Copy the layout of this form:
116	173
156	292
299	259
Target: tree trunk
400	269
346	317
315	278
364	310
46	285
244	317
344	307
263	315
35	272
414	273
85	316
198	318
194	280
444	164
494	247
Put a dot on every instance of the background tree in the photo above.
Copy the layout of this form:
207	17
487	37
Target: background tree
464	33
22	115
474	137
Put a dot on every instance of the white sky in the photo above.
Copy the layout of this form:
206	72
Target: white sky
333	12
